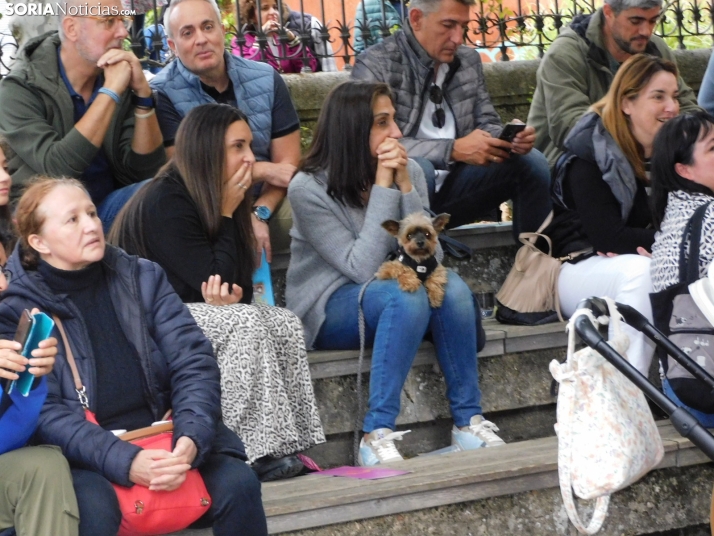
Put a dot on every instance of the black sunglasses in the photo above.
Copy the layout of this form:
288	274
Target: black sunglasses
438	118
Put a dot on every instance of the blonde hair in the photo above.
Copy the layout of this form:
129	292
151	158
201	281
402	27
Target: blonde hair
29	220
630	80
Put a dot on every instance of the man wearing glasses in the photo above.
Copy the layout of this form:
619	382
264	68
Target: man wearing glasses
448	121
579	66
76	104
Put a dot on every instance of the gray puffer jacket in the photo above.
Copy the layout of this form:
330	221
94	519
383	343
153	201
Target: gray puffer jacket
403	64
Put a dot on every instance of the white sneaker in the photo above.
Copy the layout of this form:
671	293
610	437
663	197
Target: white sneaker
479	433
379	447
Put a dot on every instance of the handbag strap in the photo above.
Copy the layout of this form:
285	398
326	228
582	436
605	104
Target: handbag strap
689	267
69	355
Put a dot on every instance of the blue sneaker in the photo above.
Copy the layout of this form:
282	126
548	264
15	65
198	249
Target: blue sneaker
379	447
479	433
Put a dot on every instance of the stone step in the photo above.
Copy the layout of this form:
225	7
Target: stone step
506	490
514	379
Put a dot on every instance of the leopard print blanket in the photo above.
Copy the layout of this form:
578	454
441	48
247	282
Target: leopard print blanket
266	390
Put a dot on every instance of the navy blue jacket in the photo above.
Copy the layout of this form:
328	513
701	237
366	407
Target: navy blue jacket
180	370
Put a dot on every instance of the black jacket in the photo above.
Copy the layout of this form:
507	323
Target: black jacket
177	360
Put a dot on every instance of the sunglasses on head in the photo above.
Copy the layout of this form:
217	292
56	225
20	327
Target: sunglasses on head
438	118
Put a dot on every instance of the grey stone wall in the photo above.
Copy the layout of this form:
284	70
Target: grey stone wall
510	84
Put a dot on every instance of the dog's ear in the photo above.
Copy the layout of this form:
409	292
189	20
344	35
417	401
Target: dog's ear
391	226
440	221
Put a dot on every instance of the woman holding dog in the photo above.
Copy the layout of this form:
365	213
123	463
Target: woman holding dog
601	199
355	177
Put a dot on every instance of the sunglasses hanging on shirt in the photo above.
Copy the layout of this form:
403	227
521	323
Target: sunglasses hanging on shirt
438	118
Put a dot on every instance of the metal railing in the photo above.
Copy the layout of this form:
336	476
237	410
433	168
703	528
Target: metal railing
327	39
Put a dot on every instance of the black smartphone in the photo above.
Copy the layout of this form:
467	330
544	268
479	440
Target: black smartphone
510	130
23	331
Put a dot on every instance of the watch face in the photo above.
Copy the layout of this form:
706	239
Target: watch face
262	212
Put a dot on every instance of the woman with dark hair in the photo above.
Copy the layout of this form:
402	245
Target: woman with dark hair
600	194
193	219
138	353
682	181
285	58
355	176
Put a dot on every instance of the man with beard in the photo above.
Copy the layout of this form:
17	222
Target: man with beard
579	66
76	104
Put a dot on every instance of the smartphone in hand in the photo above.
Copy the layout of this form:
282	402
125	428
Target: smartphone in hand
31	330
510	130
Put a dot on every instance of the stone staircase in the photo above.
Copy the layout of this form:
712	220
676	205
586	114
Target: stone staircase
510	490
503	491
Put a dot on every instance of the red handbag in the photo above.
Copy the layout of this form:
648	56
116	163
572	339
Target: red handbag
146	512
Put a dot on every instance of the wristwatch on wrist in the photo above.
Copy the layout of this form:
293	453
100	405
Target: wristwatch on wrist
262	212
144	102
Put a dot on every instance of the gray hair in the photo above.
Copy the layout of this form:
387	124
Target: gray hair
430	6
62	14
174	3
620	5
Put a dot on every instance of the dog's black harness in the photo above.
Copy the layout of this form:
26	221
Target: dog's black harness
423	269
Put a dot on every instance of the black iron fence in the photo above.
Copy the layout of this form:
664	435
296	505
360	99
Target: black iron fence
331	33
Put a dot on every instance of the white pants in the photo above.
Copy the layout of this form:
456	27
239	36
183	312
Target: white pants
625	279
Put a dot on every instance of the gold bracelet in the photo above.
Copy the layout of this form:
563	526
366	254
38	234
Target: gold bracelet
146	115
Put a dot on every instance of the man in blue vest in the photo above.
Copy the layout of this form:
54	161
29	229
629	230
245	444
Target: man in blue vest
205	73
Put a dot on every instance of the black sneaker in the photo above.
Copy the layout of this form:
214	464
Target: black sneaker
269	468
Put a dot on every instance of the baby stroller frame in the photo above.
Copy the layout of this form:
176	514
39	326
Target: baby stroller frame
681	419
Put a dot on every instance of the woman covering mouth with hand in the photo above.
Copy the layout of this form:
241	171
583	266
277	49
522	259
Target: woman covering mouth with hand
600	194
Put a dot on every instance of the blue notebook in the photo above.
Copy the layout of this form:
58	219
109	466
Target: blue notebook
263	283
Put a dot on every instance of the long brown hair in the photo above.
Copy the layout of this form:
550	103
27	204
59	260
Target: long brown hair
199	161
340	144
630	80
29	220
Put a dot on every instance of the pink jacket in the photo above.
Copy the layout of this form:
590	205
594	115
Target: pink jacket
293	54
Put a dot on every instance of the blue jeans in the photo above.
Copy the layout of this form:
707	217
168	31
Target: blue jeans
469	192
705	419
113	203
396	322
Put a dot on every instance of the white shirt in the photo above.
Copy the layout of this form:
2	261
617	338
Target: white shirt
427	130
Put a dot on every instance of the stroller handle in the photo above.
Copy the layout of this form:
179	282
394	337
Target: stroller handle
681	419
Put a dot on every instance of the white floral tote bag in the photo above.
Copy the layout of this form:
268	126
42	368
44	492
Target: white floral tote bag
607	438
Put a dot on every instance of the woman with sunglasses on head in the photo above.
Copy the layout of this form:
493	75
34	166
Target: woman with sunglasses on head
290	57
194	221
602	216
36	495
355	176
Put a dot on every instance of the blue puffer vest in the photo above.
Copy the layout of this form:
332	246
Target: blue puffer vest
253	83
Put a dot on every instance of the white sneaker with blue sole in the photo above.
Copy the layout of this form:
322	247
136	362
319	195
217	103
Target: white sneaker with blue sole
478	434
379	447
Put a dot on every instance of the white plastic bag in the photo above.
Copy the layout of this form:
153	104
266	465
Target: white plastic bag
607	438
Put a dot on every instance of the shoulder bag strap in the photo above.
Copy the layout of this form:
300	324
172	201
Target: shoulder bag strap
69	355
689	268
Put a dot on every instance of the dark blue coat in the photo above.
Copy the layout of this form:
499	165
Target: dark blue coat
180	370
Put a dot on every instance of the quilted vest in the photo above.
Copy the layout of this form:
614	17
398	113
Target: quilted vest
254	91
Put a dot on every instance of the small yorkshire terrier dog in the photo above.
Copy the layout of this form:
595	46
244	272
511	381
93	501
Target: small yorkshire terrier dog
415	261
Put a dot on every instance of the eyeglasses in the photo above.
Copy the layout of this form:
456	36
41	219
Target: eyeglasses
438	118
110	22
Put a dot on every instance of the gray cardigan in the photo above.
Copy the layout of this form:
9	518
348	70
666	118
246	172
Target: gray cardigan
333	244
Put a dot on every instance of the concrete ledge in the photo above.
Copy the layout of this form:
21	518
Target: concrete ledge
501	339
435	481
